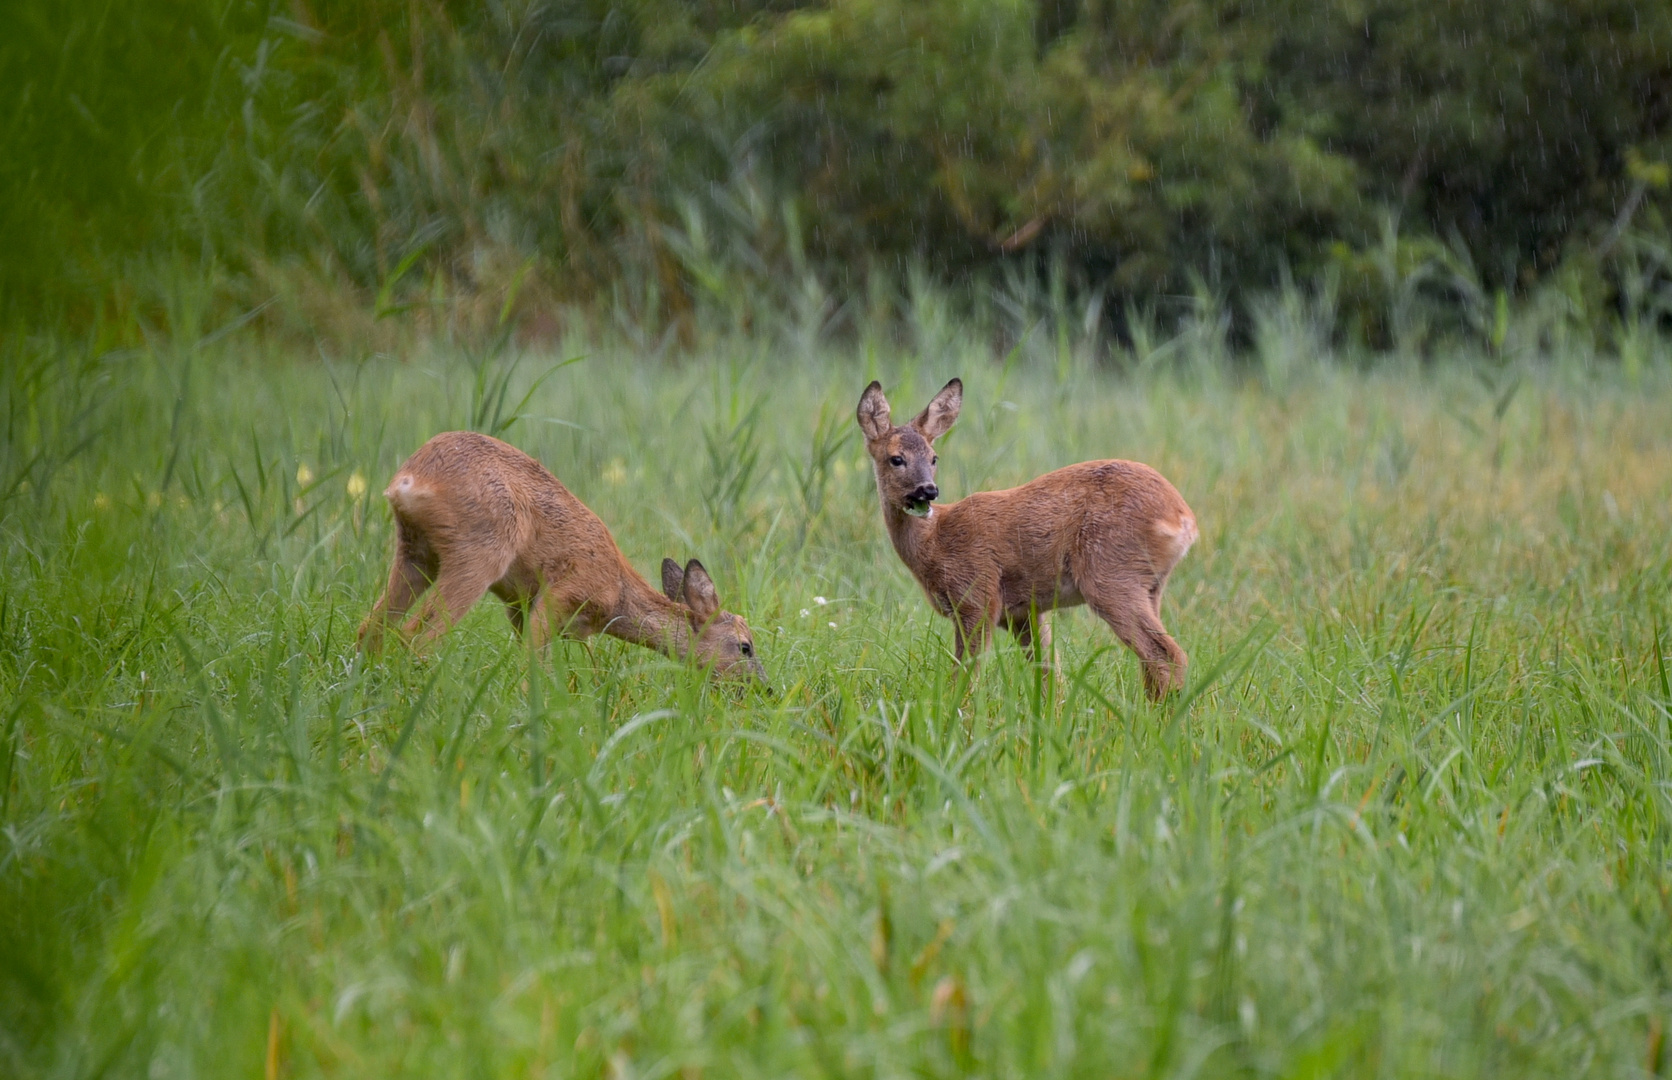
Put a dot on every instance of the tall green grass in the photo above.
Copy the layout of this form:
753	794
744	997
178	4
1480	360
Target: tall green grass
1411	818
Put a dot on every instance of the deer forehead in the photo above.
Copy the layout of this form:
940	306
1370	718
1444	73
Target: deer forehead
903	440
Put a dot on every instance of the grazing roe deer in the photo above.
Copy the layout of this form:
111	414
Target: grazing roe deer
474	515
1101	533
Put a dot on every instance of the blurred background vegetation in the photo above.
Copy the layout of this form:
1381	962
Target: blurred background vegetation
1405	171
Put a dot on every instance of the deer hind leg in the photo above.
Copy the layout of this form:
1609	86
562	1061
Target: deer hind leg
1134	619
1157	588
457	588
414	567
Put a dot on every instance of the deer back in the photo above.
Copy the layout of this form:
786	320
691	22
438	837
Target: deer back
1111	521
471	496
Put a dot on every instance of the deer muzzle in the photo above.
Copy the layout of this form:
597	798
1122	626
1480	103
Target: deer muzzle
917	503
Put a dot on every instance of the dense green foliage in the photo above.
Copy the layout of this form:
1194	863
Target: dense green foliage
1414	820
658	152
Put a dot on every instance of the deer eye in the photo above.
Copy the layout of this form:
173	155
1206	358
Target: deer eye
746	649
897	461
935	460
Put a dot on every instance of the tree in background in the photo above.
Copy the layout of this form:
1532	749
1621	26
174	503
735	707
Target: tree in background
1140	145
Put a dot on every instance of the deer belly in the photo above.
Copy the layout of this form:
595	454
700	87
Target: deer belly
518	584
1043	595
1068	593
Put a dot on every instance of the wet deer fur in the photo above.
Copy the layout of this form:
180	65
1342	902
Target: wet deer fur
1101	533
474	515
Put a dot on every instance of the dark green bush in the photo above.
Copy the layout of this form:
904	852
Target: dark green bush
657	145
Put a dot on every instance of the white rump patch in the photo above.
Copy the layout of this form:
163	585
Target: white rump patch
1182	533
404	489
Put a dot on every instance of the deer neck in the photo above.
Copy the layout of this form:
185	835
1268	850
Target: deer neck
645	617
913	538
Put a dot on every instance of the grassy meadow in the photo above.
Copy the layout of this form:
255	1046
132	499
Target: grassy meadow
1413	816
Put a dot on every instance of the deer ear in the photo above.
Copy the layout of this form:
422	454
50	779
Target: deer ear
942	412
672	579
873	412
699	592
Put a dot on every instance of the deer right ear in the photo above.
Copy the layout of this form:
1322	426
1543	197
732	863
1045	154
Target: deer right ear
673	579
873	412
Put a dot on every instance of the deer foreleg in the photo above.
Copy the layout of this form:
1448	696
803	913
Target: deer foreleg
1033	634
972	629
1046	646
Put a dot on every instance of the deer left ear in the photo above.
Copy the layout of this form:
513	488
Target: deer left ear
942	412
673	578
699	594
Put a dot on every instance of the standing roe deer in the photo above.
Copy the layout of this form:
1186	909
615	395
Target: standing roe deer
1102	533
473	515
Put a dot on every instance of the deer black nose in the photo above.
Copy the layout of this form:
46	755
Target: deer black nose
926	493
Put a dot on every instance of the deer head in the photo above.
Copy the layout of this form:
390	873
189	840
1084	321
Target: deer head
905	456
720	640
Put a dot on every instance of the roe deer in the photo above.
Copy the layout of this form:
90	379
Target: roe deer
1102	533
474	515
